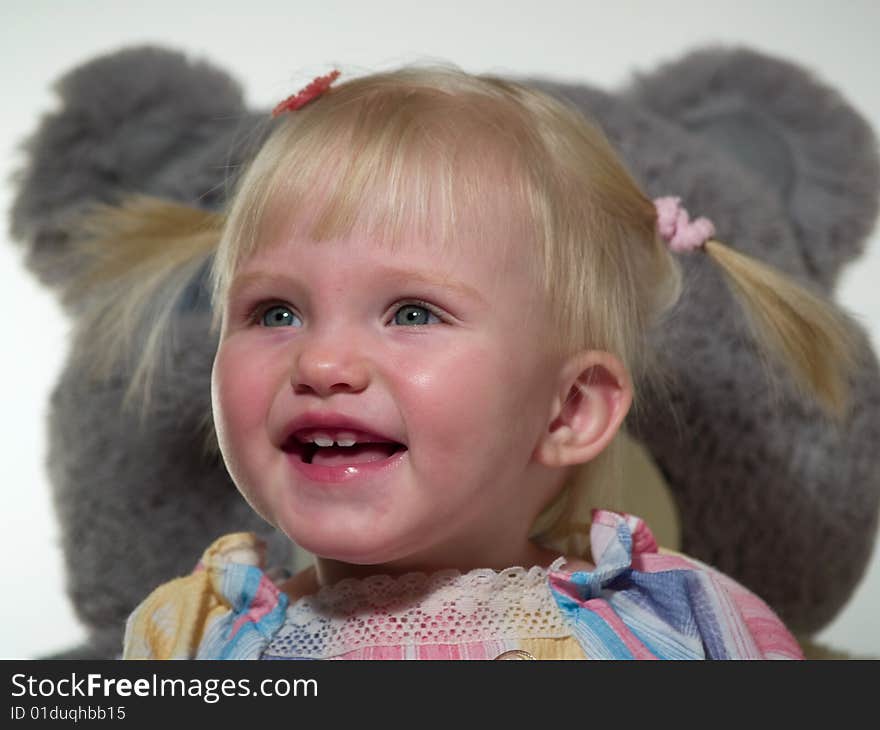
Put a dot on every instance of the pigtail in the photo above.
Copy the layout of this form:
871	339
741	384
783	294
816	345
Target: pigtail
800	329
142	256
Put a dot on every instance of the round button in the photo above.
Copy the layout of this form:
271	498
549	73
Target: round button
515	654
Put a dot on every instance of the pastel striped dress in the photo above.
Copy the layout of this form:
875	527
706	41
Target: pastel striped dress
638	603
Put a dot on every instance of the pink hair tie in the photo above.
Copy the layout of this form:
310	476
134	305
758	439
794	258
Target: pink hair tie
677	229
309	93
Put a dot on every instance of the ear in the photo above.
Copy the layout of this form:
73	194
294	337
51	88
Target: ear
594	397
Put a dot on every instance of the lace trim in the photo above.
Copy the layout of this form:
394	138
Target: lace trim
416	609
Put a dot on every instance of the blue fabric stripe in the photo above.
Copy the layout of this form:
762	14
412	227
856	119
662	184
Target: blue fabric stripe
705	615
659	638
596	637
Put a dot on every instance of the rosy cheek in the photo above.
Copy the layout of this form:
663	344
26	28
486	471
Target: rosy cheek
446	396
234	393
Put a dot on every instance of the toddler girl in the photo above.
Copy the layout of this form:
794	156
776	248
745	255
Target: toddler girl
432	292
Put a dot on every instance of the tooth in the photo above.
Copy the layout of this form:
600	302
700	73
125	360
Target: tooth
324	439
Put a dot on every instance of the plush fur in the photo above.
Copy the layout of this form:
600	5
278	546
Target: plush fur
766	489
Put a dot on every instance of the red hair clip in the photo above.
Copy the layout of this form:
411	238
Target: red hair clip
309	93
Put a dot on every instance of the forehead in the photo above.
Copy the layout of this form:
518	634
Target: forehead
473	266
428	201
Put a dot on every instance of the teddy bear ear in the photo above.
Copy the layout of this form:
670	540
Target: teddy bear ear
144	120
781	123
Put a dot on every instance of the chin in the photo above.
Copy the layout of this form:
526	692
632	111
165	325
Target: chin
346	549
333	545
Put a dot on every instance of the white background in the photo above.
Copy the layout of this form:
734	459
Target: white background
271	47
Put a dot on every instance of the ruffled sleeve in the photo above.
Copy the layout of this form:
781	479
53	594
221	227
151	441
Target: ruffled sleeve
224	609
643	603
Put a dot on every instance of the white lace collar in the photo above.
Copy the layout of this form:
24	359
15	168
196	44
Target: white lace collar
446	607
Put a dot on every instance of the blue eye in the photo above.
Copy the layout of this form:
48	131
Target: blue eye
414	314
277	316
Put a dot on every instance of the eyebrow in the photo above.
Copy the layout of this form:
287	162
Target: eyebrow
400	275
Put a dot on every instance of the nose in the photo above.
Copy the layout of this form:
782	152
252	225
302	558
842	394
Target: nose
330	366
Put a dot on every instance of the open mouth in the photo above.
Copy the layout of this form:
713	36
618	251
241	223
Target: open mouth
335	455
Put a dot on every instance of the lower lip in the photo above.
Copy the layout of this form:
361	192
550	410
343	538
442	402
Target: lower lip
346	472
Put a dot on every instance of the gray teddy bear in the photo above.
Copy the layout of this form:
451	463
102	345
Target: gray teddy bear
765	488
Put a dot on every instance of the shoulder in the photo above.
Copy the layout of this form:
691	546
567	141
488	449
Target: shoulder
748	627
642	601
172	621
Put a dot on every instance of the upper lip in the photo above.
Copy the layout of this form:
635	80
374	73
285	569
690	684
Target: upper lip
318	420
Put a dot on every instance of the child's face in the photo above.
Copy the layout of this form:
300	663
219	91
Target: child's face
467	388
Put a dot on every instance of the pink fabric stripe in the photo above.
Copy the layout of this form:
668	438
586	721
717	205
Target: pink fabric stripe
438	651
643	540
373	652
738	640
767	631
264	602
487	649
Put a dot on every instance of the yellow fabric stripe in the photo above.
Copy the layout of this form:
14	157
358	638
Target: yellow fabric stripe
565	647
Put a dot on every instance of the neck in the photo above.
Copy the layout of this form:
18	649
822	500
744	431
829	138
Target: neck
330	571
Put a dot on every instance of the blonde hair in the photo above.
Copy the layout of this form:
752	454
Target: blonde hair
428	151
